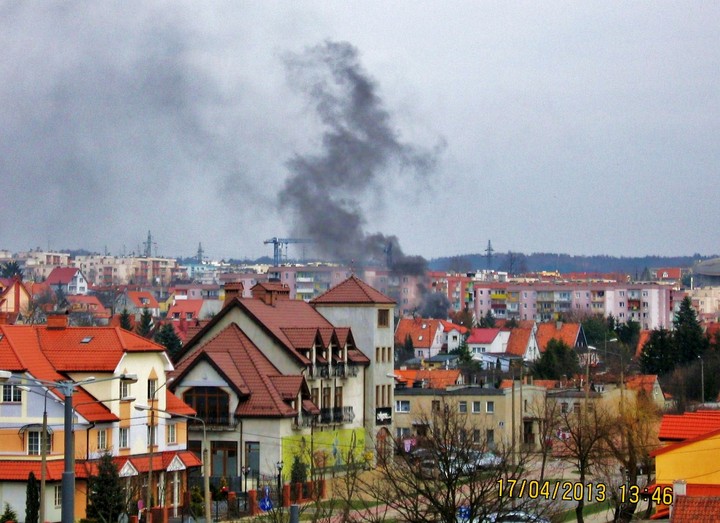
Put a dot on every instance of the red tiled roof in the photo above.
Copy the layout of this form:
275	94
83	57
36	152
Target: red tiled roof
160	460
352	291
88	303
184	306
137	298
16	470
482	335
702	508
567	333
448	326
680	427
248	371
61	275
435	378
644	382
421	331
518	341
175	405
356	356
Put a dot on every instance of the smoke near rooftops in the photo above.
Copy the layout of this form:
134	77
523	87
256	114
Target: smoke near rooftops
359	148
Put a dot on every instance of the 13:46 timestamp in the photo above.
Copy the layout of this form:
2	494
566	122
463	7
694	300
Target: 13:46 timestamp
633	494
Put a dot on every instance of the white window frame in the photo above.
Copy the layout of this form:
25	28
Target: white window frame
490	407
58	496
171	433
14	394
401	404
102	439
124	438
476	407
462	407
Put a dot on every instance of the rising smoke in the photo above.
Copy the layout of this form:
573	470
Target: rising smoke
359	147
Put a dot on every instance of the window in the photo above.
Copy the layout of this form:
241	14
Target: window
402	406
402	432
102	439
11	394
34	442
476	435
152	435
490	436
124	438
338	397
383	318
462	406
171	434
151	389
436	405
476	406
124	389
564	408
58	496
490	407
212	404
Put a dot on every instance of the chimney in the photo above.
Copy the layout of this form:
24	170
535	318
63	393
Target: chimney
233	290
57	321
558	324
270	293
3	318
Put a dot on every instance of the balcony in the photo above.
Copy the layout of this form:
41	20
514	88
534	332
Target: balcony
214	422
352	370
337	415
339	370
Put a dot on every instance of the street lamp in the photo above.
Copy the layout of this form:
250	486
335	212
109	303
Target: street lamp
279	465
246	472
205	460
67	389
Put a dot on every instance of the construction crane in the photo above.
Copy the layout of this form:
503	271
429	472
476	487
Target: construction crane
281	243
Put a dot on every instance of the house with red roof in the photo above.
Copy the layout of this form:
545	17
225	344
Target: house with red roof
70	280
428	378
269	375
426	336
14	297
572	334
453	335
89	306
192	310
94	358
688	459
498	348
135	302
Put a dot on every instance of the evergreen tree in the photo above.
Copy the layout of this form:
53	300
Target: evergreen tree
11	269
659	353
558	361
125	321
105	492
487	321
167	337
32	499
144	328
690	340
9	514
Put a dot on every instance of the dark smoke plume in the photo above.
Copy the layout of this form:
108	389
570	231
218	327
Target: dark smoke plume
359	146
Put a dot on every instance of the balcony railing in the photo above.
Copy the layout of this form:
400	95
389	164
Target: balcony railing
337	415
352	370
339	370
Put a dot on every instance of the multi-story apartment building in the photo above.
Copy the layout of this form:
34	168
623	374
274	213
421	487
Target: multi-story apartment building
306	282
651	305
115	270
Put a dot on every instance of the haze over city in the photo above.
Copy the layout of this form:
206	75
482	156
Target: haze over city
577	128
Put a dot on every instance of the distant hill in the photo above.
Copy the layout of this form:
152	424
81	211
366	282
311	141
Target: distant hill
515	263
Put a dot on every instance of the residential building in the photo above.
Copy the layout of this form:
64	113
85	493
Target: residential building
69	280
370	315
90	307
136	302
14	297
319	386
426	336
306	282
95	358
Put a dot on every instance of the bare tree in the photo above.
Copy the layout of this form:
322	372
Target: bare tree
547	411
586	430
451	467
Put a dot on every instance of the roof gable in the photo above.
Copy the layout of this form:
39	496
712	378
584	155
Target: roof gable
421	331
353	291
568	333
482	336
680	427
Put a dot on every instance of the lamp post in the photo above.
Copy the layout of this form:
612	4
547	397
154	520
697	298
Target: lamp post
205	457
67	389
246	472
279	465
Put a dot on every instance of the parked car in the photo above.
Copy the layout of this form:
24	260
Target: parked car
510	516
487	460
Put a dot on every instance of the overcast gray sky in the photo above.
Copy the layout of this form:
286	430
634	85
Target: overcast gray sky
573	127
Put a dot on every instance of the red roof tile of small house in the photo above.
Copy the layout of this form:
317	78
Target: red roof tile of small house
143	299
15	470
61	275
568	333
642	382
175	405
182	307
483	336
160	460
448	326
421	331
691	508
518	341
680	427
352	291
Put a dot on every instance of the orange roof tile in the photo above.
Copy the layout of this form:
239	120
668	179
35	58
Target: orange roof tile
567	333
434	378
61	275
352	290
421	331
680	427
175	405
483	335
143	299
691	508
518	341
644	382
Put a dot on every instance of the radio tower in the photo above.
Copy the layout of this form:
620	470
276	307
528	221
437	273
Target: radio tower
488	254
200	253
